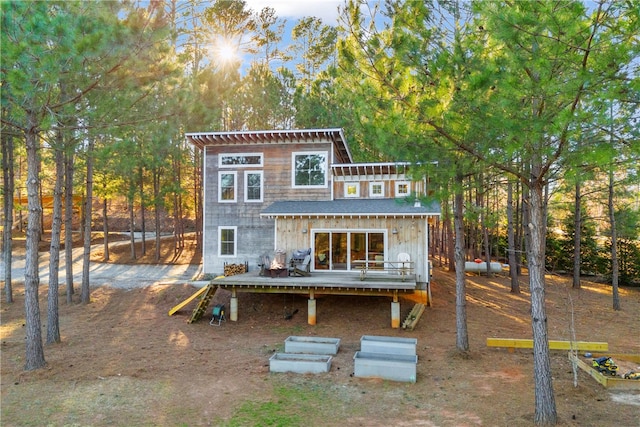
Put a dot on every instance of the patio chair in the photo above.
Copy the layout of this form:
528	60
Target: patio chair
264	262
303	268
404	263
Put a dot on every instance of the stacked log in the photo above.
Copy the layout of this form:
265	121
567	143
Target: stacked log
233	269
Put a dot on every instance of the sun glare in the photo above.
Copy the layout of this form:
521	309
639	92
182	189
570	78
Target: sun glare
225	52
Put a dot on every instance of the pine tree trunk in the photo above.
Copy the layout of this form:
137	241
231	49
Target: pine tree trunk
615	268
485	238
132	226
53	323
511	242
41	195
105	228
450	247
143	226
34	354
577	238
68	223
7	240
157	203
178	227
462	337
519	227
545	406
85	296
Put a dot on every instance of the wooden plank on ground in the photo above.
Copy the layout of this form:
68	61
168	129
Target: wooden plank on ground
413	317
187	301
553	344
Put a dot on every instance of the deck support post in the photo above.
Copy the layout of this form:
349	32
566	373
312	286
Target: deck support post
233	306
311	316
395	311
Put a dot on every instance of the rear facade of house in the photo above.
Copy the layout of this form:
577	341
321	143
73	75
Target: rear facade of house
300	189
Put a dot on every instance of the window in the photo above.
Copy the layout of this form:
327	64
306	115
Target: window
226	187
376	189
338	250
351	189
402	188
309	169
253	186
227	241
227	160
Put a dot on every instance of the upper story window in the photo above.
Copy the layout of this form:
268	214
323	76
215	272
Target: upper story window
376	189
351	189
253	186
235	160
227	187
309	169
402	188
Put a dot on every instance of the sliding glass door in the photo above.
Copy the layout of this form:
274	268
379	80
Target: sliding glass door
337	250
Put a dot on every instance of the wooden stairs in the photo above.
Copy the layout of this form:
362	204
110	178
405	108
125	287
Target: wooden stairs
203	304
413	317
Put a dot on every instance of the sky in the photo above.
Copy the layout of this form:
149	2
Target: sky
291	10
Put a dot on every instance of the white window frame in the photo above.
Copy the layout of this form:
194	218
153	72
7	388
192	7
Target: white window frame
221	156
310	153
397	188
246	186
348	184
374	183
235	240
348	232
235	186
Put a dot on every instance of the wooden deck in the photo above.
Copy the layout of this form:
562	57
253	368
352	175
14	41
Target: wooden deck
322	283
347	283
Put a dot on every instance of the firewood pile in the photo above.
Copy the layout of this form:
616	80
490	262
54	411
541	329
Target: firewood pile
233	269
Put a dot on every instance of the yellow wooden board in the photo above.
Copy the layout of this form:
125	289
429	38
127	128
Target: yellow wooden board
553	345
188	300
413	317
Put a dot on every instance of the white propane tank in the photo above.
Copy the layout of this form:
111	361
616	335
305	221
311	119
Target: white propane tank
481	267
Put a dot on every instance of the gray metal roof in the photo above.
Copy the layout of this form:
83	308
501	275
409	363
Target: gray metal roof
350	207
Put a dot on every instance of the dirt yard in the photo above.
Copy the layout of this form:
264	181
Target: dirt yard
123	361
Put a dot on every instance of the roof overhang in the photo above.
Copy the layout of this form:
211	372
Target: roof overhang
335	135
348	208
369	171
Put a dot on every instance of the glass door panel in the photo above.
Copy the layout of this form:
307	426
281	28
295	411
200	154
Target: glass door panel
321	251
376	249
338	251
358	248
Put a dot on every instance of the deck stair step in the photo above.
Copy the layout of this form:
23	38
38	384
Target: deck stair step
204	303
413	317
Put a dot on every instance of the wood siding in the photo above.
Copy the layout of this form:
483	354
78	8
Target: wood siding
411	235
255	235
389	185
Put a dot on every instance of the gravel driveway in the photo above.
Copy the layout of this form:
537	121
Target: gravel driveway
100	274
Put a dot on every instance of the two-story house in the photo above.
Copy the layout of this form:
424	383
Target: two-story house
295	189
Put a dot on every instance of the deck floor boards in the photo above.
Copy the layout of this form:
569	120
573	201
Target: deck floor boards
330	282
